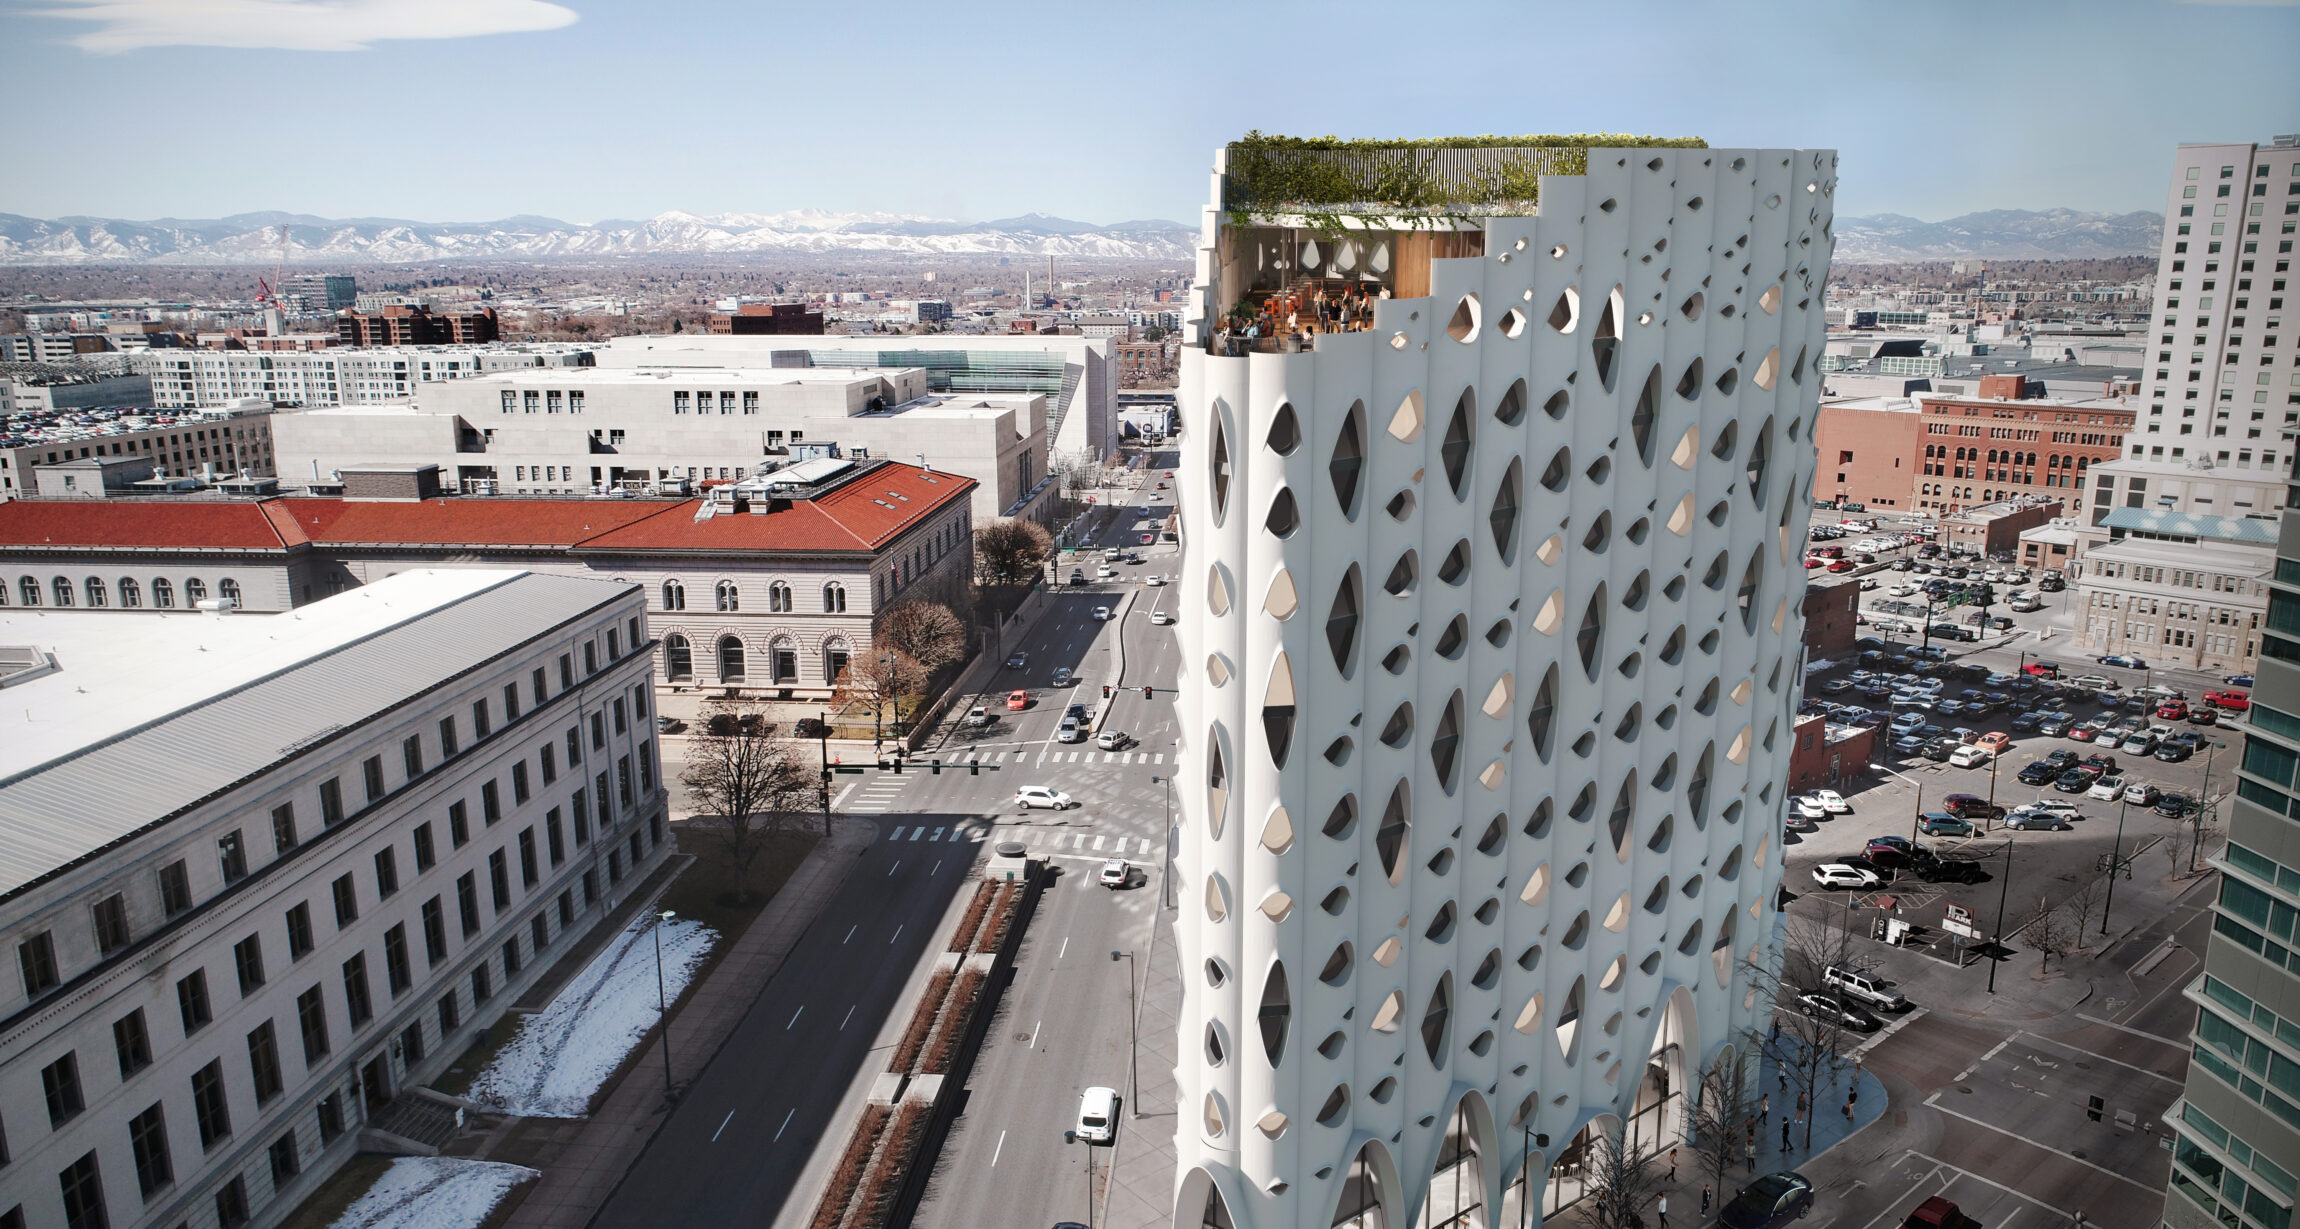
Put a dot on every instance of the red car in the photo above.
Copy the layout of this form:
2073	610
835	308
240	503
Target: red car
2041	670
1017	699
1811	562
2228	699
1842	565
2172	710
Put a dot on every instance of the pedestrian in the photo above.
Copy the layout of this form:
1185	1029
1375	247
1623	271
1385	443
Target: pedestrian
1776	1031
1752	1158
1784	1137
1661	1209
1752	1136
1764	1108
1801	1107
1672	1162
1848	1109
1705	1201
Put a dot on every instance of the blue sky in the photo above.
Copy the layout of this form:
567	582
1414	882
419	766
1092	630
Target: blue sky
591	109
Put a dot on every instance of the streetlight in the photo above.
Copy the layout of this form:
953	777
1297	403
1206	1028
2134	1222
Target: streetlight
1133	1042
878	701
1999	937
2115	859
2203	803
1073	1137
662	1000
1168	836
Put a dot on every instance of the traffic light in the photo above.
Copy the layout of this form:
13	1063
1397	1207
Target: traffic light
1146	692
1106	691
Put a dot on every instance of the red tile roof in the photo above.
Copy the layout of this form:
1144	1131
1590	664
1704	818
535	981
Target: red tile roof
863	515
125	524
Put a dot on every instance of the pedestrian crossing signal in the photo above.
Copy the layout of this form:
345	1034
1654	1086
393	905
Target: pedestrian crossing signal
1146	693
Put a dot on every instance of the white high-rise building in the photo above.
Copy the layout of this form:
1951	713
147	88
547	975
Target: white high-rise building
1492	647
2221	384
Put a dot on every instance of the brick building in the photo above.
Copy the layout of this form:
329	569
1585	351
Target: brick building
415	326
769	319
1825	756
1994	527
1979	450
1831	605
1868	451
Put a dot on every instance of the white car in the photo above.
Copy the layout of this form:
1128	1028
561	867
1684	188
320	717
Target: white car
1113	740
1808	808
2056	806
1036	797
1160	618
979	715
1101	614
1839	875
2107	789
1115	873
1105	572
1153	580
1831	801
1111	553
1968	757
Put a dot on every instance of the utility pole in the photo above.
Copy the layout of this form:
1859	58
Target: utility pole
2203	806
2002	889
823	741
662	1002
1133	1040
2115	859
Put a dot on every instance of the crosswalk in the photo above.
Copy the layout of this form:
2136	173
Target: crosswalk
1052	757
880	794
1044	839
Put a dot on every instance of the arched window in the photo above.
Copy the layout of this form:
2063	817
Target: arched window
163	593
130	595
728	599
195	591
834	598
730	660
94	587
779	598
229	590
678	658
63	590
674	595
30	588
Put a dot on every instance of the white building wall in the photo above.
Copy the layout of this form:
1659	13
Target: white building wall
1499	841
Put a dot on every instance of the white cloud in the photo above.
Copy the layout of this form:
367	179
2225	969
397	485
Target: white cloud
296	25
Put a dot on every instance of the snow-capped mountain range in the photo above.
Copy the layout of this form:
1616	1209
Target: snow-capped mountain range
254	238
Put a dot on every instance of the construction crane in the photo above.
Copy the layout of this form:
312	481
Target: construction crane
270	291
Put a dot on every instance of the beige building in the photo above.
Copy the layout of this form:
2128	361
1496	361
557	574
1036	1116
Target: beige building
223	440
2171	561
262	874
335	375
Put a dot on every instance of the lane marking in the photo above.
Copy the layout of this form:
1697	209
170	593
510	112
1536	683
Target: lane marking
2154	1075
1000	1148
851	932
896	935
2158	1038
843	1019
1034	1035
795	1017
1933	1103
722	1126
892	869
786	1125
1065	948
936	867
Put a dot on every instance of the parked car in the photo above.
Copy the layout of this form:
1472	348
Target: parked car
2026	819
1832	875
1895	851
2140	742
1098	1115
1034	797
1951	870
1994	742
2107	789
1866	986
1768	1202
2174	751
2142	794
1843	1013
2125	660
1941	823
2236	700
2174	806
1969	757
2236	680
1970	806
1938	1213
2075	780
1831	801
1806	808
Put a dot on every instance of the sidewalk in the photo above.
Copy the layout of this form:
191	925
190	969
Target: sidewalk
1140	1189
594	1153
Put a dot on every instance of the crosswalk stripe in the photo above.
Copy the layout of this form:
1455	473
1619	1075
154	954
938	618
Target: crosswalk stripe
937	835
897	835
1098	842
1145	847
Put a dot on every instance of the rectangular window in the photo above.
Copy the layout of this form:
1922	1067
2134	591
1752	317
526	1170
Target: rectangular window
148	1139
510	702
499	879
83	1191
175	889
479	723
614	645
551	834
264	1062
606	803
598	731
566	909
426	855
208	1104
411	755
450	1015
371	770
299	931
590	659
232	1204
346	901
192	1001
232	858
535	686
574	746
331	802
578	808
357	1005
528	873
482	986
490	803
411	1043
519	789
567	668
467	903
386	872
110	916
548	755
447	746
396	972
311	1019
283	828
61	1081
133	1043
458	824
36	956
248	959
434	931
540	930
617	706
330	1118
647	767
511	957
623	780
285	1164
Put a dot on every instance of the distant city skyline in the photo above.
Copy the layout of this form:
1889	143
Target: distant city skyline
588	110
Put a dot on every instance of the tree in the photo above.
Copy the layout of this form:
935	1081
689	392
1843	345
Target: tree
1010	551
2048	932
1721	1120
1154	332
927	631
742	771
1805	1050
2085	901
1615	1180
878	678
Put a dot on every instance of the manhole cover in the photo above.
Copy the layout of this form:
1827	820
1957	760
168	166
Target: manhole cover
1961	1088
1022	1036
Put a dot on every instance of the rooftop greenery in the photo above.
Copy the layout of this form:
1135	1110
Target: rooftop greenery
1330	181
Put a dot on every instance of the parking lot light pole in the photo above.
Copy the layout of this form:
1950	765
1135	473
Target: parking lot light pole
1133	1043
2002	889
2203	805
1989	816
2115	859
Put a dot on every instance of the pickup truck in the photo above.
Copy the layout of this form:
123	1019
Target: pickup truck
1939	1213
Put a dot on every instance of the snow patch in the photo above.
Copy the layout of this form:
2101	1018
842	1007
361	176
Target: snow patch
433	1192
563	1053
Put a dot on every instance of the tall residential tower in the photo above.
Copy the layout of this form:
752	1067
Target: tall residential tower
1503	462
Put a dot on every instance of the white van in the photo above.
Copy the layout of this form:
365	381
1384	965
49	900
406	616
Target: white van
1098	1115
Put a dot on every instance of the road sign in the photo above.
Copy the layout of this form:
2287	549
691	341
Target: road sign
1957	914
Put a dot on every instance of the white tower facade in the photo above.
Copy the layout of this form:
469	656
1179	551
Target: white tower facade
1490	622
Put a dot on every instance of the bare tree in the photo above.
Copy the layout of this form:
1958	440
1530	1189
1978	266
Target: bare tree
1617	1183
926	631
2048	932
742	771
1806	1049
1010	551
1728	1102
2084	903
880	679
